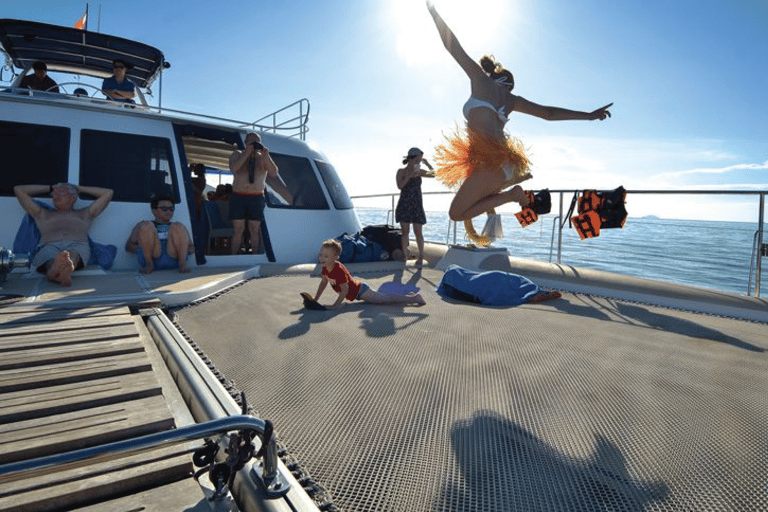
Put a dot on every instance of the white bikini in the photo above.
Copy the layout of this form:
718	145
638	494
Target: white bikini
473	102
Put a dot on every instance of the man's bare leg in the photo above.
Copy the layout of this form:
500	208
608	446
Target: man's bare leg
238	226
178	244
60	270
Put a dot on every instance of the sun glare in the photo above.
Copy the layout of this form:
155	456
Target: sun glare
477	25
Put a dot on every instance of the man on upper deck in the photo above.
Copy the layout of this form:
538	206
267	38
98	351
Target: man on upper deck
39	80
251	169
63	246
118	87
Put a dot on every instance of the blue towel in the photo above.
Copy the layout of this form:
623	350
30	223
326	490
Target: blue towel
493	288
28	238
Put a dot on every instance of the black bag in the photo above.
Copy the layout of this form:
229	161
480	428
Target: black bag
356	249
389	237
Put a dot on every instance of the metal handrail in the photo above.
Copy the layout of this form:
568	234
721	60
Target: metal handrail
756	257
303	119
128	447
300	128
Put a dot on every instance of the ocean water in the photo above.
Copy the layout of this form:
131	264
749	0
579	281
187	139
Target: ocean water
713	255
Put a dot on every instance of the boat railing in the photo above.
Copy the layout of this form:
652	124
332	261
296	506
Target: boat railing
273	482
291	120
759	250
281	119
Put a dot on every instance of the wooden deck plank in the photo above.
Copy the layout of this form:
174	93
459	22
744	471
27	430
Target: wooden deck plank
36	403
39	314
184	495
10	341
18	379
91	351
167	471
79	429
37	329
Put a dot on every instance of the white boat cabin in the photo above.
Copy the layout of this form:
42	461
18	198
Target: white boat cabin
140	151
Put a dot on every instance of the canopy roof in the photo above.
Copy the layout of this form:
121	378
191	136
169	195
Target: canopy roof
78	51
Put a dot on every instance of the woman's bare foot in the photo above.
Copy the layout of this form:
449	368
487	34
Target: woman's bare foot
148	269
545	296
519	195
184	269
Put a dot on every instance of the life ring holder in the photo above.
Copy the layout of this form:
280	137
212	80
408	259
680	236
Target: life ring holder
469	228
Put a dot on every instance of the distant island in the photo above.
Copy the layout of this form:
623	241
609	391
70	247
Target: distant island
652	217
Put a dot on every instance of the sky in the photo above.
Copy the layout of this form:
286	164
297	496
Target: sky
688	79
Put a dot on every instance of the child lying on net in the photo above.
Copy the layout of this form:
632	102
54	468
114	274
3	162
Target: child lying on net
347	287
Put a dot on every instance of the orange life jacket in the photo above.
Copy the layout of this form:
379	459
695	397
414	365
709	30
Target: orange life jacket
540	203
599	209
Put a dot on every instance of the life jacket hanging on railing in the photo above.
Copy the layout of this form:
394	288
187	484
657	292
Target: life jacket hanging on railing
598	210
538	204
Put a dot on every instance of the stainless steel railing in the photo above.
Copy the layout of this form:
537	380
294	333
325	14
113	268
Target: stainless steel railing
556	249
128	447
291	120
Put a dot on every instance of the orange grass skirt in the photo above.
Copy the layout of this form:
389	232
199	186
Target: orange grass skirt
464	151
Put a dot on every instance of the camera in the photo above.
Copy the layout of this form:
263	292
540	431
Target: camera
257	146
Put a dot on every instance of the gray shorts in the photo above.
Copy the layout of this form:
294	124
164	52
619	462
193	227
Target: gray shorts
48	252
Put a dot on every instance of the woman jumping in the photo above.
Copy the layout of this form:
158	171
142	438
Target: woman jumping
485	160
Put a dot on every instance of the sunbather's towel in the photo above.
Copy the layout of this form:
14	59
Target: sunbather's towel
493	288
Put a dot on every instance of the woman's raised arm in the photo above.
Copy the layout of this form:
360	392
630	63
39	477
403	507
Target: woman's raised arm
470	67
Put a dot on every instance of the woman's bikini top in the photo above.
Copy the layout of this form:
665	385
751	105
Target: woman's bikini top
473	102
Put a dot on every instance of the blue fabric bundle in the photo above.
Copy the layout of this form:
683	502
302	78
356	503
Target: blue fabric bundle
492	288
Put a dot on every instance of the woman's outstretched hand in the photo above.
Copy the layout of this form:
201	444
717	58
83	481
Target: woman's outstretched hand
602	113
431	8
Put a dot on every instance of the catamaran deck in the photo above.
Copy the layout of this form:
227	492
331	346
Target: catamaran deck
582	403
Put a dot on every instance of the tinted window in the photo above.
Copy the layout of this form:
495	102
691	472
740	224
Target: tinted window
32	155
136	167
334	185
300	178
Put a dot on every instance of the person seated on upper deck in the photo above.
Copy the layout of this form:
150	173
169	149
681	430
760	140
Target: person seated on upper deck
117	87
39	80
63	246
252	168
158	244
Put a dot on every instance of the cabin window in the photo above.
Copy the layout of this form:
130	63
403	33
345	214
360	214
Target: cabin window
300	178
33	154
334	185
136	167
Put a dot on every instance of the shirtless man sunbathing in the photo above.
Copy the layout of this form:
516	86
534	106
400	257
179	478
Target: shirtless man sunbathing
63	244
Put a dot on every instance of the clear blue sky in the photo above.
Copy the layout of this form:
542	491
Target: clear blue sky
689	79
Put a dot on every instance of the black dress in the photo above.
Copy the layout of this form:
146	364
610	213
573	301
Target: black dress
410	207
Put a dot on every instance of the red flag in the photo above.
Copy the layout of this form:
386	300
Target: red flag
82	23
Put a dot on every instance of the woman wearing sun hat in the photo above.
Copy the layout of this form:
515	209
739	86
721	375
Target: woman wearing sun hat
410	207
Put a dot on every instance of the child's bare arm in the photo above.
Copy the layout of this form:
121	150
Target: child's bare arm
321	287
344	288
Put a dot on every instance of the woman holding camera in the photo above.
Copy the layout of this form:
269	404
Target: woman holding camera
410	207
